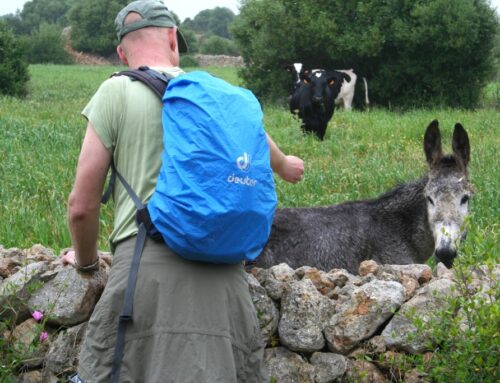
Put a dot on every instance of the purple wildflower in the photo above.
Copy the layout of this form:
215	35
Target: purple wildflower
43	336
37	315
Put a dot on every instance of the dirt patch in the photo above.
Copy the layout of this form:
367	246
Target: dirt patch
83	58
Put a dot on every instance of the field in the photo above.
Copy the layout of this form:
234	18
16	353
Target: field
363	155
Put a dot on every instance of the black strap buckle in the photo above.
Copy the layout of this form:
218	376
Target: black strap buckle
142	216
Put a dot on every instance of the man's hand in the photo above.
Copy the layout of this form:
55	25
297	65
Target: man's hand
291	169
68	258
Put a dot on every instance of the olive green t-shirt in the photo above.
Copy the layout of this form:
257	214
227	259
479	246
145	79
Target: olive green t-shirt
126	115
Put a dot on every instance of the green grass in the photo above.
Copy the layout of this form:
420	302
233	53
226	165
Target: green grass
363	155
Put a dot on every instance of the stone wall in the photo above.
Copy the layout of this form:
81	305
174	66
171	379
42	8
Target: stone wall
219	60
318	326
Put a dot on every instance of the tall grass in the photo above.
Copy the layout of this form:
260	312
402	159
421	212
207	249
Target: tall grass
363	155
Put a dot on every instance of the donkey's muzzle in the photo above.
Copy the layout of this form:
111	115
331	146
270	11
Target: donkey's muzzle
446	256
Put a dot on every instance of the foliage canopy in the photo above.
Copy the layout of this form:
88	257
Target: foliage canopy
413	53
211	21
14	74
92	25
46	45
37	12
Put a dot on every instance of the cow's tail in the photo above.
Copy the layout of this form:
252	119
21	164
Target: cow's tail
367	101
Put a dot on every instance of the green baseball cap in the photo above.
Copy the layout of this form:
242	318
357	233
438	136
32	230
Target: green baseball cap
154	14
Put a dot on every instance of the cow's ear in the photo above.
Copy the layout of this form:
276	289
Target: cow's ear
305	76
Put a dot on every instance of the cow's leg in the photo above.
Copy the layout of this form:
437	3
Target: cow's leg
348	102
320	132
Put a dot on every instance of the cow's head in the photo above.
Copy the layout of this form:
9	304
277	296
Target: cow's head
325	85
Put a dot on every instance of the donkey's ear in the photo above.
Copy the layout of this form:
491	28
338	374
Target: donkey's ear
460	144
432	143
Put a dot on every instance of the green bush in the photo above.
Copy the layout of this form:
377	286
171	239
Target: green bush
14	74
189	61
46	46
216	45
465	333
413	53
191	40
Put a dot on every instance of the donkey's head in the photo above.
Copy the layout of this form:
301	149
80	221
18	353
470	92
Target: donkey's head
447	191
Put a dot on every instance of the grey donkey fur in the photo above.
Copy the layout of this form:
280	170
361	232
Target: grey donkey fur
405	225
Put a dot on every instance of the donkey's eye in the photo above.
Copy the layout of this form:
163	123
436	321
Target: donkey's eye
429	199
465	199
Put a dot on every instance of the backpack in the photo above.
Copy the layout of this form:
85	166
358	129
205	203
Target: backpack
215	197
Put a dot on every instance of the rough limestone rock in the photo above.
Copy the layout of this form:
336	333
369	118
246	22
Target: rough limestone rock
328	367
285	366
15	290
371	305
303	314
267	312
62	356
401	333
70	297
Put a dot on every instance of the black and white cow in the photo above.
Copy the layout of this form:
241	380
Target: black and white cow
347	91
313	100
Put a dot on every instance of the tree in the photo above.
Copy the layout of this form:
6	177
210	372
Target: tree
14	22
92	25
211	21
414	53
14	74
45	46
36	12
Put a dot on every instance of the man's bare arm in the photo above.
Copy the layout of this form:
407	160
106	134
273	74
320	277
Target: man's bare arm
84	200
290	168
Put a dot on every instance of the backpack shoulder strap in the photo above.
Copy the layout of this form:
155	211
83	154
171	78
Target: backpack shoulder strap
155	80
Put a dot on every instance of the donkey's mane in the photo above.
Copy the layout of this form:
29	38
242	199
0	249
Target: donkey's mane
402	192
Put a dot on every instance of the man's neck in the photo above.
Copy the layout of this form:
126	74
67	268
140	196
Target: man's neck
152	58
150	63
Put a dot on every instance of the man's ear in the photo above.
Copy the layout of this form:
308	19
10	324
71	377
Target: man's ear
172	38
121	54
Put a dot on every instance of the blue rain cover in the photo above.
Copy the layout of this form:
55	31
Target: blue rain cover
215	196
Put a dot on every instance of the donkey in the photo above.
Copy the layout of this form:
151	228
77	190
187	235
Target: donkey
403	226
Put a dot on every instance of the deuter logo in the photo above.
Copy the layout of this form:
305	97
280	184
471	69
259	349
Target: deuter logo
243	162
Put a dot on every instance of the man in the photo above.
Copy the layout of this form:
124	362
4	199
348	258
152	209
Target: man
192	321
